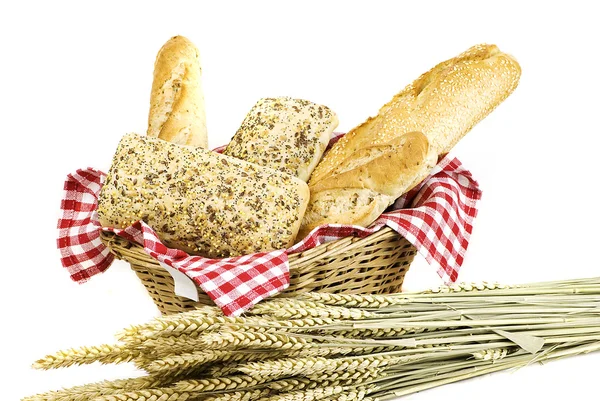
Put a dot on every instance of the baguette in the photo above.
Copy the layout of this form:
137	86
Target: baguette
177	102
200	201
362	187
443	103
285	134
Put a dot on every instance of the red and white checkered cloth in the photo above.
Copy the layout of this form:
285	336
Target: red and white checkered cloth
436	217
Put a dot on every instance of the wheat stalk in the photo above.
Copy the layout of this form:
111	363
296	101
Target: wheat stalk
344	379
491	354
466	287
152	394
373	347
105	353
307	395
222	369
217	384
91	390
176	325
250	395
175	365
267	307
353	300
248	339
165	346
357	394
315	365
306	323
324	312
198	313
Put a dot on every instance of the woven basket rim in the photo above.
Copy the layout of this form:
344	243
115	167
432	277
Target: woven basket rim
330	248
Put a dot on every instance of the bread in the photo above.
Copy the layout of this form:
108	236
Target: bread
200	201
444	104
285	134
359	189
177	102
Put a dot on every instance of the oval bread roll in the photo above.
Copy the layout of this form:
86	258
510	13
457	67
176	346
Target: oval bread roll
177	102
284	134
200	201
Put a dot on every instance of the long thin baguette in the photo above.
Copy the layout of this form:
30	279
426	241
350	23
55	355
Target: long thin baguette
200	201
355	182
443	103
177	101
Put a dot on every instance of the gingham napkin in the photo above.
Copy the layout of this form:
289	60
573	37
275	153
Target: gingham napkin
436	217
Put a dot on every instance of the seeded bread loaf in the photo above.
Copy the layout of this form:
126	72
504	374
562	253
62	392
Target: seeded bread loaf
285	134
177	101
200	201
358	190
443	103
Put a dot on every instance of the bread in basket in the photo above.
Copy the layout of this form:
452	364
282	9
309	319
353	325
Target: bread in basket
362	175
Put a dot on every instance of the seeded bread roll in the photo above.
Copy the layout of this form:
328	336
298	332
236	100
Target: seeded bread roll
361	188
177	101
200	201
285	134
443	103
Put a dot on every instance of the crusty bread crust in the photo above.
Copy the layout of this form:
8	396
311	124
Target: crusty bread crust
388	169
177	102
443	103
364	185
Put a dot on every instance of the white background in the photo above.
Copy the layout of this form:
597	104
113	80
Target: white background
75	78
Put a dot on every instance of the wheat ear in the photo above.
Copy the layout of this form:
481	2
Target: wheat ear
353	300
307	395
105	353
248	339
311	366
241	395
174	365
152	394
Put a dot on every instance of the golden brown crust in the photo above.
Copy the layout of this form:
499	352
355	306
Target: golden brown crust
362	213
364	185
177	102
443	103
387	169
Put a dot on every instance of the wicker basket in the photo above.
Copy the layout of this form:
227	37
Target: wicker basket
375	264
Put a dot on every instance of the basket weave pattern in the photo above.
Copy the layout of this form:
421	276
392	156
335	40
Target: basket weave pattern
375	264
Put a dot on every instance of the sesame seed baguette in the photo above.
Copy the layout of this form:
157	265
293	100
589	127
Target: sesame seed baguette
177	101
443	103
200	201
285	134
373	164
